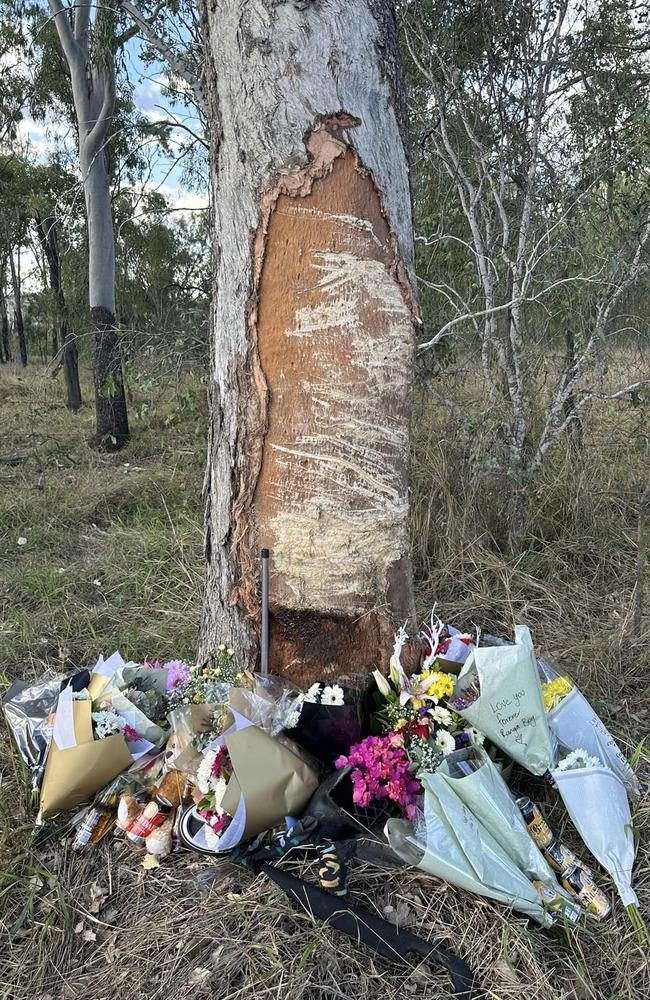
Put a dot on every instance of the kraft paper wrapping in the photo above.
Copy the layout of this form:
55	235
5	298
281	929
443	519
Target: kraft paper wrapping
102	673
272	780
75	773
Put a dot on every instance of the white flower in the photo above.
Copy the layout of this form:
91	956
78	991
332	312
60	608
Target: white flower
107	723
578	759
382	683
293	715
313	694
333	695
475	735
204	777
441	715
219	786
445	741
22	540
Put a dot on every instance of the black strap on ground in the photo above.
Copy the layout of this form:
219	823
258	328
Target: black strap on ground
380	935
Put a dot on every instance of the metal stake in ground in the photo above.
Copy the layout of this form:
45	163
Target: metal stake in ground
265	612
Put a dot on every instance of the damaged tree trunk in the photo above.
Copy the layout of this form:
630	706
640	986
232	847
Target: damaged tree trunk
312	333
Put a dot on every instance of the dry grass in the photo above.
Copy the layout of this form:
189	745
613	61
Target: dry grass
100	927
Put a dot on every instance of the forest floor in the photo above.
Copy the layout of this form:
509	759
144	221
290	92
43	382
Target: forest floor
112	559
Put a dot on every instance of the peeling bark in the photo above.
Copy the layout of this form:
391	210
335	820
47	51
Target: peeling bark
312	334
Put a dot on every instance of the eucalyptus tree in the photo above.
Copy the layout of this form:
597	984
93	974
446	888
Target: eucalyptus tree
312	331
89	40
529	116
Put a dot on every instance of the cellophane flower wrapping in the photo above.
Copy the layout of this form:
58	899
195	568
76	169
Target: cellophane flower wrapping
573	723
128	693
476	780
451	843
509	709
597	803
267	701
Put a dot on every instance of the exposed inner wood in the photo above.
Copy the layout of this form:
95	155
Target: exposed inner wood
334	337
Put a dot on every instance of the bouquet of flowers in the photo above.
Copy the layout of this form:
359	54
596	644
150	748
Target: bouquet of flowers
574	724
498	691
212	779
597	803
137	693
201	683
414	707
450	842
444	646
326	721
264	782
88	750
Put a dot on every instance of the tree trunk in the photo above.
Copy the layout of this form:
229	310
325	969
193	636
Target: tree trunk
46	230
5	347
112	425
90	56
18	306
312	333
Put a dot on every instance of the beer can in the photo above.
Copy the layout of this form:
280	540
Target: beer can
538	828
561	858
585	890
154	814
558	903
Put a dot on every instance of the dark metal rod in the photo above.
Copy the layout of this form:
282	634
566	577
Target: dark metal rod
265	612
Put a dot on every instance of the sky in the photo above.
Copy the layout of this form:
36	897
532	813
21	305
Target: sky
166	169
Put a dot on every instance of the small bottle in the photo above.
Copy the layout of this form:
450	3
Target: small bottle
154	814
84	834
99	819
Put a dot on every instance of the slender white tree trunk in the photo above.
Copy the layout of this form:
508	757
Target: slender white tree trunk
313	317
92	74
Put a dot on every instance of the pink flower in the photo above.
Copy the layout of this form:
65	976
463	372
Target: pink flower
130	733
151	664
382	770
218	762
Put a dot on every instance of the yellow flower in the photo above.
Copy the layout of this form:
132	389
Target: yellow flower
554	691
417	703
400	724
440	685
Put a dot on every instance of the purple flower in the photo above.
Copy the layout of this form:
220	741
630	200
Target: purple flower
178	673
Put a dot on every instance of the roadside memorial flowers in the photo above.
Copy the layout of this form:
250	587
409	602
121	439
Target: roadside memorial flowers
213	759
597	802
